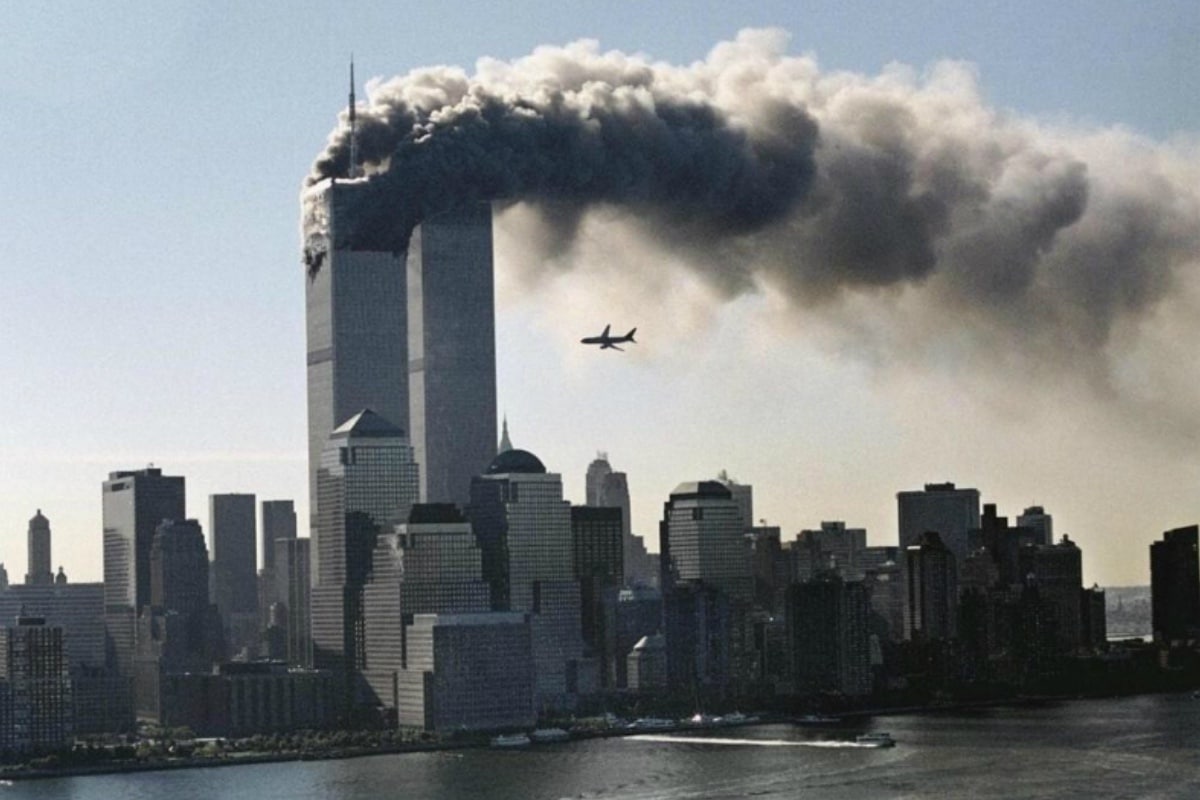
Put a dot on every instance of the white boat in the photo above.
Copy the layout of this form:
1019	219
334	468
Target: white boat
875	740
506	740
652	724
546	735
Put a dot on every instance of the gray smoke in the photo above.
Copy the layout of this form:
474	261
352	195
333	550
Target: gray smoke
762	173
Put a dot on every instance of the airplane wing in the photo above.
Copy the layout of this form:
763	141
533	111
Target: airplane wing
605	334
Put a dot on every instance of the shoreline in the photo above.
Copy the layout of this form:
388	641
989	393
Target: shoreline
252	758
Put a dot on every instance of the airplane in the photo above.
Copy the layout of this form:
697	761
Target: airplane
607	342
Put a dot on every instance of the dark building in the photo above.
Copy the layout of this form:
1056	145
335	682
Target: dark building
1057	569
771	566
37	711
278	522
943	508
134	504
38	543
1095	618
931	578
599	559
181	630
293	575
639	614
233	582
698	629
828	636
1175	585
1004	544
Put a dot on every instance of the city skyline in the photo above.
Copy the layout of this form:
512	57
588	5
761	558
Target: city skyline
810	418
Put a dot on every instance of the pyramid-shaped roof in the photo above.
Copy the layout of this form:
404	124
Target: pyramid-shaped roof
367	424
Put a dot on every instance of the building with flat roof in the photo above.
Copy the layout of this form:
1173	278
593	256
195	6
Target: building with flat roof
944	508
1175	585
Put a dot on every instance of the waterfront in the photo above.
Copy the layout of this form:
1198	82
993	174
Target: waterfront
1129	747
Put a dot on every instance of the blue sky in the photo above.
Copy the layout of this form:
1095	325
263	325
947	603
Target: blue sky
152	155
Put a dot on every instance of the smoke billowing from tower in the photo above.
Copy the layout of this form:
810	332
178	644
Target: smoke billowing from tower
762	173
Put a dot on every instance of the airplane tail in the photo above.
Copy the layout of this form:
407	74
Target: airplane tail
629	335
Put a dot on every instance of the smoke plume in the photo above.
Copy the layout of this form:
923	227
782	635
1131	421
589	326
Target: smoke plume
955	220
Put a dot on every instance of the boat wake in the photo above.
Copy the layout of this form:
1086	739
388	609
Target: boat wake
717	740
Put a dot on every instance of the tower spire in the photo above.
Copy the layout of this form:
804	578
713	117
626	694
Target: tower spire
354	170
505	442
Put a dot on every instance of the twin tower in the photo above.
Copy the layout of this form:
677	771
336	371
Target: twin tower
411	336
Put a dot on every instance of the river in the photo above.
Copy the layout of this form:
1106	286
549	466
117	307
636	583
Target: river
1129	747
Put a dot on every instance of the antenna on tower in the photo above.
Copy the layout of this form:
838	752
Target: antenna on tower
354	170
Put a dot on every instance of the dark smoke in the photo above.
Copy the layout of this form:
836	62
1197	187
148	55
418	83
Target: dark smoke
762	173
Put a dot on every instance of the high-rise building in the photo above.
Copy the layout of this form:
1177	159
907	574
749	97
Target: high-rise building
293	576
38	542
743	495
430	564
1057	570
704	550
1036	518
523	526
233	584
134	504
1175	585
608	489
931	577
357	332
701	540
36	708
950	512
375	316
599	569
278	522
834	547
181	630
452	351
828	636
367	482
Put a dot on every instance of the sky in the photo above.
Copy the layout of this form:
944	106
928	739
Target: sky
153	289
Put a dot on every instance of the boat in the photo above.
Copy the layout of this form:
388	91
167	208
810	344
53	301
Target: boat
651	724
548	735
875	740
509	740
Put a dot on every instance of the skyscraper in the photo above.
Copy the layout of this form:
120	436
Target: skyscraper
367	482
1036	518
357	331
38	542
931	578
608	489
375	316
278	522
828	637
702	539
233	584
292	575
134	504
452	351
1175	585
949	511
523	526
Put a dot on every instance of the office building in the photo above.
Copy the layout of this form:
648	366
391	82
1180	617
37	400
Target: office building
639	614
1175	586
950	512
1035	518
452	351
1003	544
181	630
1057	571
37	712
702	540
599	567
834	547
367	482
523	526
134	503
429	564
743	495
278	522
233	546
771	565
828	636
38	543
293	576
468	672
931	578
